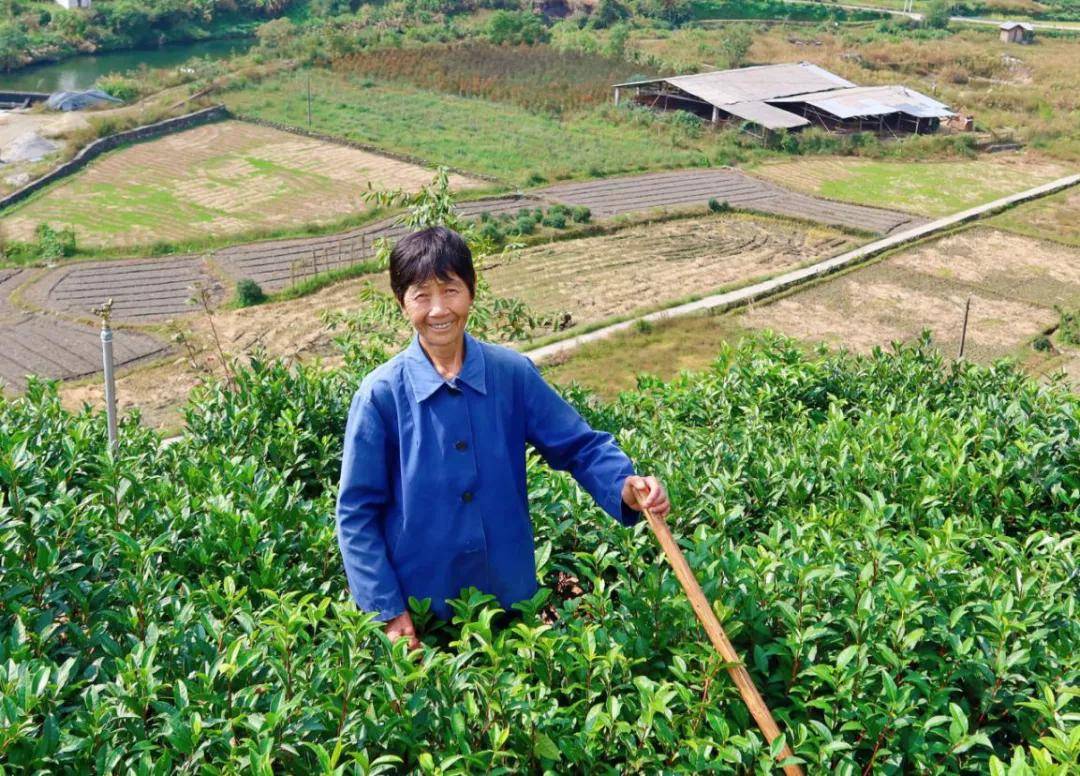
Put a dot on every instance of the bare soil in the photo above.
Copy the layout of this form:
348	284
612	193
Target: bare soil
1013	282
654	264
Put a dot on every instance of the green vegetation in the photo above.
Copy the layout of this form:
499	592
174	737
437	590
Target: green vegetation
248	293
927	188
537	78
1069	328
777	9
35	31
479	136
511	226
888	541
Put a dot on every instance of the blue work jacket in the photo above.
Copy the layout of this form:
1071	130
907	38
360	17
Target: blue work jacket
433	496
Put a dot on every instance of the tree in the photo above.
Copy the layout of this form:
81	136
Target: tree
937	14
13	43
732	47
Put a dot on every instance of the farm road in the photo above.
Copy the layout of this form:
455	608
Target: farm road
146	291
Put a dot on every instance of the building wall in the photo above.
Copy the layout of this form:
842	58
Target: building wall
74	3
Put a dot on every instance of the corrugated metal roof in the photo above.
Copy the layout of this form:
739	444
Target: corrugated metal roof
753	84
747	92
764	114
872	101
1021	25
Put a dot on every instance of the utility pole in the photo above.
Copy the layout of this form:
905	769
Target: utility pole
105	312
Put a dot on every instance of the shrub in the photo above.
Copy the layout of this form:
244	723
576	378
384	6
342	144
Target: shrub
249	293
54	243
515	27
718	207
491	230
555	219
937	14
1069	326
580	214
120	87
524	225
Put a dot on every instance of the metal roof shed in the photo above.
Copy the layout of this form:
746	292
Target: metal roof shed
741	93
868	101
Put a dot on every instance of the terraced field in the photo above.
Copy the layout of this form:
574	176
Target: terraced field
600	277
1014	283
219	179
931	189
613	196
53	347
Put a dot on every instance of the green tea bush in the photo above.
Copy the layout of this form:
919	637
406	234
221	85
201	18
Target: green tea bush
889	540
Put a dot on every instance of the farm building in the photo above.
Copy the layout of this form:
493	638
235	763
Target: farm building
789	97
69	4
1017	32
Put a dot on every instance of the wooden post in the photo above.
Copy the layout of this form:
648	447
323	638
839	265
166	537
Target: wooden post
309	100
750	695
963	331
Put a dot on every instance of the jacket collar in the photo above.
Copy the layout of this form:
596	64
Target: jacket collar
425	379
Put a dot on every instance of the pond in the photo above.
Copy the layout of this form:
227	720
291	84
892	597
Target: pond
82	71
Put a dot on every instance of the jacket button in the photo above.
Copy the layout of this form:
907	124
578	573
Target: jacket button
466	496
461	445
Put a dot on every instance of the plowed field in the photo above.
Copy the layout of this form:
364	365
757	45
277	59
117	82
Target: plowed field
655	264
220	179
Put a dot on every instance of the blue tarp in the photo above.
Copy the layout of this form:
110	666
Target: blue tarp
92	98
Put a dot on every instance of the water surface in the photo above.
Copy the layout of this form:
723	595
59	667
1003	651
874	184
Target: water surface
82	71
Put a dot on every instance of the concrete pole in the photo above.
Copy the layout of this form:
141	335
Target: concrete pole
105	312
715	115
616	95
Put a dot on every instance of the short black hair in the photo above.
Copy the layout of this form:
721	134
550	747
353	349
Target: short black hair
433	252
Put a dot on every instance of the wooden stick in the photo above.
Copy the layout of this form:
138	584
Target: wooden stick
719	639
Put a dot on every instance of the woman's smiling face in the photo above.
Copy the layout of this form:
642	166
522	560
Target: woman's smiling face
438	309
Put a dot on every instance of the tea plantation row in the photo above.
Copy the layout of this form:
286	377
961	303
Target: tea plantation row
890	540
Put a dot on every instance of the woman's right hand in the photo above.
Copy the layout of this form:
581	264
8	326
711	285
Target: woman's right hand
402	627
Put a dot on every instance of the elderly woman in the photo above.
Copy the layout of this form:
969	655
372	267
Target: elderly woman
433	494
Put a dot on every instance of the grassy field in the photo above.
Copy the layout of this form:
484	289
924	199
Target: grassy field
497	139
227	178
1014	283
1051	218
926	188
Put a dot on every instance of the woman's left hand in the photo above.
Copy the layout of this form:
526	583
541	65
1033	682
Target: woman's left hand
646	493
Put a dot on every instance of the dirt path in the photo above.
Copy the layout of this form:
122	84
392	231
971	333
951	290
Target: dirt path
56	338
